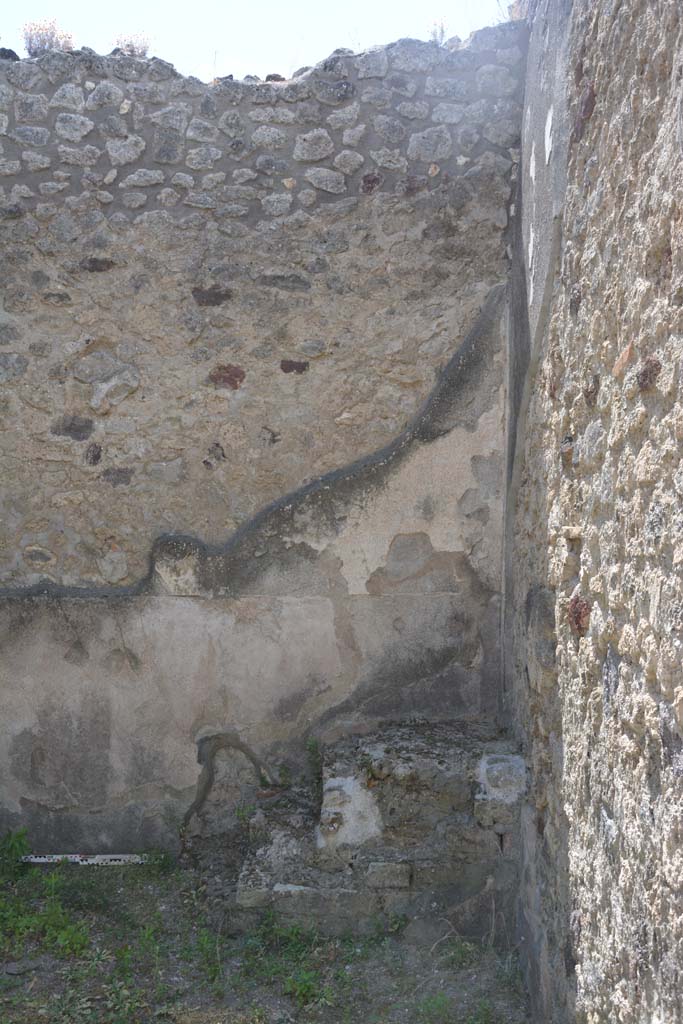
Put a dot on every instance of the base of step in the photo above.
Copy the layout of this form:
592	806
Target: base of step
413	827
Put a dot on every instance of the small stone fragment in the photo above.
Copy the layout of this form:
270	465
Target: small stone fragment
352	136
448	113
118	476
31	107
417	110
96	366
391	159
389	128
348	161
372	64
133	200
344	118
214	295
31	136
332	92
584	113
182	180
269	137
578	615
113	566
142	179
622	360
313	145
201	131
203	158
370	183
227	375
93	454
431	144
175	117
35	161
277	204
648	373
326	180
105	94
125	151
493	80
73	127
293	366
272	115
115	390
12	366
243	174
69	96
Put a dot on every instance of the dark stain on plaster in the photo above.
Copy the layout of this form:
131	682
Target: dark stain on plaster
287	708
97	264
78	428
431	683
67	775
207	748
122	659
217	452
584	112
272	436
214	295
93	454
285	282
294	366
540	624
465	389
76	653
116	476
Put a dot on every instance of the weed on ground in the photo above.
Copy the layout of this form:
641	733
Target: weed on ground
135	945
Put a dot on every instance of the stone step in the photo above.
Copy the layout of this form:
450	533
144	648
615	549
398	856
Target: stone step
418	824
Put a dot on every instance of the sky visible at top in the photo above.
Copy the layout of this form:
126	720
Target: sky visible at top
252	37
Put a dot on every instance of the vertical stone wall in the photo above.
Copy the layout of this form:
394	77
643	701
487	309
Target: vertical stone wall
254	394
213	294
596	587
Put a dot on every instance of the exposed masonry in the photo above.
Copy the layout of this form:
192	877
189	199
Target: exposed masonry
254	398
120	134
214	294
419	822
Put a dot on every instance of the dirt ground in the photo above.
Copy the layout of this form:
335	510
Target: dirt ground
112	945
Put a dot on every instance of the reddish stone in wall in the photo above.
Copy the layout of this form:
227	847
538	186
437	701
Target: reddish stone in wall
648	373
225	375
578	615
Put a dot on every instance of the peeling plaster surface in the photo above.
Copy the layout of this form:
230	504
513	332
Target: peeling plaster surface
254	416
214	294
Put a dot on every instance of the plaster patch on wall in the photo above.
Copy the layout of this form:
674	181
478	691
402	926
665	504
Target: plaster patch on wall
548	135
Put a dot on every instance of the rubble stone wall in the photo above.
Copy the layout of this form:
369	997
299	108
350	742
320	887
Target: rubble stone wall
253	393
595	581
215	293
